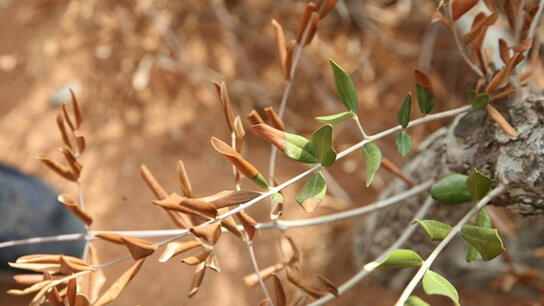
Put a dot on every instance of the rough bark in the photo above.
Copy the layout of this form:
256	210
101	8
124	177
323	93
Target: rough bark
473	140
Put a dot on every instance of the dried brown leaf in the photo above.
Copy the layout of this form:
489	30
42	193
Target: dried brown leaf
197	279
194	260
290	47
62	129
274	119
248	224
70	204
80	141
77	111
304	285
234	158
72	161
82	300
227	198
179	219
525	45
328	7
97	279
280	44
71	292
501	121
212	262
115	290
175	248
48	258
272	135
52	295
460	7
254	118
252	279
327	284
110	237
68	267
138	248
27	279
281	299
240	134
52	268
504	50
313	28
34	288
229	223
224	98
184	182
508	91
422	78
510	9
58	168
391	167
67	118
209	233
310	8
266	302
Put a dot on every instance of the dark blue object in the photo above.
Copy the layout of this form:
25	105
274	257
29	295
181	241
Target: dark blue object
29	208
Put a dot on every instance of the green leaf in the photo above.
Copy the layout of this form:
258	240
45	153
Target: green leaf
434	283
451	190
322	141
336	118
482	220
347	93
405	110
373	160
401	258
478	101
312	193
404	143
260	181
478	184
473	254
436	230
415	301
300	149
486	240
424	99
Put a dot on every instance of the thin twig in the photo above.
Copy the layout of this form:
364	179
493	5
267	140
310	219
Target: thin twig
429	261
536	20
179	233
372	265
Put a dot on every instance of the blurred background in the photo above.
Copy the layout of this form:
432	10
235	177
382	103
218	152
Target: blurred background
143	72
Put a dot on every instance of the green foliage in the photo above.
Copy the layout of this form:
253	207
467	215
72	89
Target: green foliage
478	101
435	229
401	258
415	301
313	190
373	160
260	181
434	283
300	149
347	93
482	220
404	143
405	110
336	118
322	142
486	240
478	184
424	99
451	190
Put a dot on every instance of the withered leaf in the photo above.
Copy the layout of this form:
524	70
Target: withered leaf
62	129
176	248
252	279
248	223
314	24
328	7
52	268
193	260
34	288
27	279
97	279
58	168
422	78
70	204
72	291
115	290
280	44
208	233
227	198
230	224
460	7
77	110
304	285
235	158
186	187
327	284
138	248
82	300
501	121
224	98
254	118
68	267
281	299
310	8
273	118
197	279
